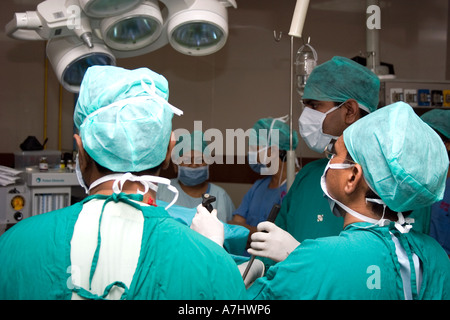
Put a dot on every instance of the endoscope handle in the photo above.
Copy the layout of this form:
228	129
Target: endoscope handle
207	199
273	213
271	218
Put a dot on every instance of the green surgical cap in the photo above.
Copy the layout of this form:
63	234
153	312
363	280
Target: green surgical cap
129	134
439	120
340	79
403	160
283	133
192	141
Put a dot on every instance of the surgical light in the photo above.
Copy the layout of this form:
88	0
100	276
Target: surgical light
99	31
197	36
107	8
53	18
70	59
134	29
198	29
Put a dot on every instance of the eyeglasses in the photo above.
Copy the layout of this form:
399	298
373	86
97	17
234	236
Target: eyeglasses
330	152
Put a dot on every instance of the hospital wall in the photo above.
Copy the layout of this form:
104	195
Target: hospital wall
246	80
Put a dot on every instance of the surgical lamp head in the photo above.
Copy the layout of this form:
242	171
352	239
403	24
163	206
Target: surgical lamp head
134	29
200	28
107	8
110	29
70	59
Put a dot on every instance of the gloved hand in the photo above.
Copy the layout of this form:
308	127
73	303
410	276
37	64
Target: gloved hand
256	271
208	225
272	242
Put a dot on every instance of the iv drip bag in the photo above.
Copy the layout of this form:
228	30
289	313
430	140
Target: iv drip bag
305	62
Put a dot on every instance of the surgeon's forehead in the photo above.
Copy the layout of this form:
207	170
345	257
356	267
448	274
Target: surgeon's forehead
192	153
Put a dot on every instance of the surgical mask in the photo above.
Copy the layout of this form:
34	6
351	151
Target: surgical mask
80	176
193	176
331	201
147	181
253	162
403	225
310	124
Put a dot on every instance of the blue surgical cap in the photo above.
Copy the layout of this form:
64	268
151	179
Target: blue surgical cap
118	132
403	160
283	133
439	120
340	79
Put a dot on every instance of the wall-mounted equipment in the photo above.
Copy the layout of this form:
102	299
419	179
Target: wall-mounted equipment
16	203
417	93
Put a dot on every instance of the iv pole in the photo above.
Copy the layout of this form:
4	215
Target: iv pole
298	20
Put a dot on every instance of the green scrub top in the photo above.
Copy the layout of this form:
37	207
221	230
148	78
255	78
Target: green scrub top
305	212
357	264
422	219
175	262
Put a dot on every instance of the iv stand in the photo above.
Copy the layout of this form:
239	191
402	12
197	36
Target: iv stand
290	155
298	20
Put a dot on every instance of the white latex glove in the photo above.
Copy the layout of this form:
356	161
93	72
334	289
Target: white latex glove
272	242
208	225
256	271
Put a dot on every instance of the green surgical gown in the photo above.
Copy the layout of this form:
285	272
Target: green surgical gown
357	264
174	262
305	212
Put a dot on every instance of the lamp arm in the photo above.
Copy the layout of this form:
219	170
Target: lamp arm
23	26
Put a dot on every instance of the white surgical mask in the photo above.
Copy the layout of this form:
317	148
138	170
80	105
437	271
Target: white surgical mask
403	225
80	176
323	185
310	124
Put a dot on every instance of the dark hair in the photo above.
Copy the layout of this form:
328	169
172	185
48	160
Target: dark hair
362	113
282	154
151	171
378	208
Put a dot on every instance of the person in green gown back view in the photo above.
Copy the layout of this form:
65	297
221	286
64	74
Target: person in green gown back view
117	243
